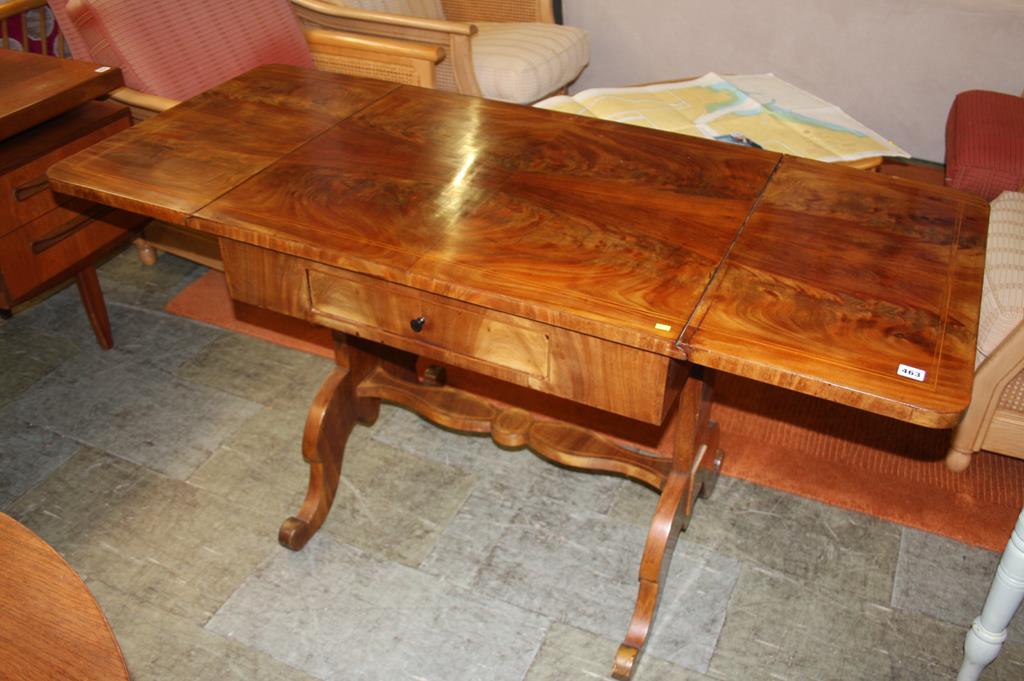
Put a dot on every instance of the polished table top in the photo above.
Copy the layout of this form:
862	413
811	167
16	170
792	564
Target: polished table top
814	277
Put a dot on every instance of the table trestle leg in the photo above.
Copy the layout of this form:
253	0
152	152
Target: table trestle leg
334	412
353	392
693	473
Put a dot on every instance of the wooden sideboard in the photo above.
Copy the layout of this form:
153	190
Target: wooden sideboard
48	113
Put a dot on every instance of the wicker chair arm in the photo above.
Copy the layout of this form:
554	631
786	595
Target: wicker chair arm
319	39
1004	364
329	15
454	36
401	61
540	11
1001	367
142	105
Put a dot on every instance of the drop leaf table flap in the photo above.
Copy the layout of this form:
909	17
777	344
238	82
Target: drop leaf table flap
854	288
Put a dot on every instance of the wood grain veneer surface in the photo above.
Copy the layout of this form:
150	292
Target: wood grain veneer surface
50	625
796	273
37	88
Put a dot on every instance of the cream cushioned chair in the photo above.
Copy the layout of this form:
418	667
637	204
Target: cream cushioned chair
508	50
995	419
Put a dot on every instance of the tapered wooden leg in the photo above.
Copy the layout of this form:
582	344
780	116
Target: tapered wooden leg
334	412
95	308
695	465
958	460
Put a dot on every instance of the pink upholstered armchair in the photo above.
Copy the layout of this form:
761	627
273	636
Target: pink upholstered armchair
170	50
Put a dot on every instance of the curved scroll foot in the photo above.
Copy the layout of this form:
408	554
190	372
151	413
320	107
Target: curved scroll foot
669	519
323	446
294	533
696	463
328	424
625	662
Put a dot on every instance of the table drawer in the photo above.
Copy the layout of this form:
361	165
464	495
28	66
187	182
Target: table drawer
53	245
584	369
484	335
25	193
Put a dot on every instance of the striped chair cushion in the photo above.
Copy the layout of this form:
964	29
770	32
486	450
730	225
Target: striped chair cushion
179	48
1002	298
523	63
427	9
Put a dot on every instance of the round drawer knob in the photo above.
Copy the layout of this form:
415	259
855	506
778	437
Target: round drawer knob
417	324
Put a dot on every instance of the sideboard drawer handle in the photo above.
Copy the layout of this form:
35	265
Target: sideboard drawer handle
69	228
27	191
418	323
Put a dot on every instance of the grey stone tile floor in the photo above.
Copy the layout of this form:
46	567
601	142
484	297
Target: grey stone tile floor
162	468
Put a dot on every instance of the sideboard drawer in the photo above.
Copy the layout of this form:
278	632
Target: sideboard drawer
25	193
506	341
54	244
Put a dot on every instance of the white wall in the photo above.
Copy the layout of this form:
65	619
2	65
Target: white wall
895	65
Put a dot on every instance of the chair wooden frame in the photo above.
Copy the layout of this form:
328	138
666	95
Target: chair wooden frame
987	423
24	9
453	34
415	60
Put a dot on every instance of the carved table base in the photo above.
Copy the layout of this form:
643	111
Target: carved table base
353	391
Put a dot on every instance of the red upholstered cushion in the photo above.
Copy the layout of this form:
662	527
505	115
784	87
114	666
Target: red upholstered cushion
985	143
179	48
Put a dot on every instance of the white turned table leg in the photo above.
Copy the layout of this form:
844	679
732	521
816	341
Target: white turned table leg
989	630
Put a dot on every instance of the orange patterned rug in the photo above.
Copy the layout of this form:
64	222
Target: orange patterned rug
773	437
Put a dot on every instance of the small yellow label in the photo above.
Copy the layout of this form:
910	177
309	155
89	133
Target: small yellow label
662	327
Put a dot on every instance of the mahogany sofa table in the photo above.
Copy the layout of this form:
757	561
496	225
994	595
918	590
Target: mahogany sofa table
602	264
